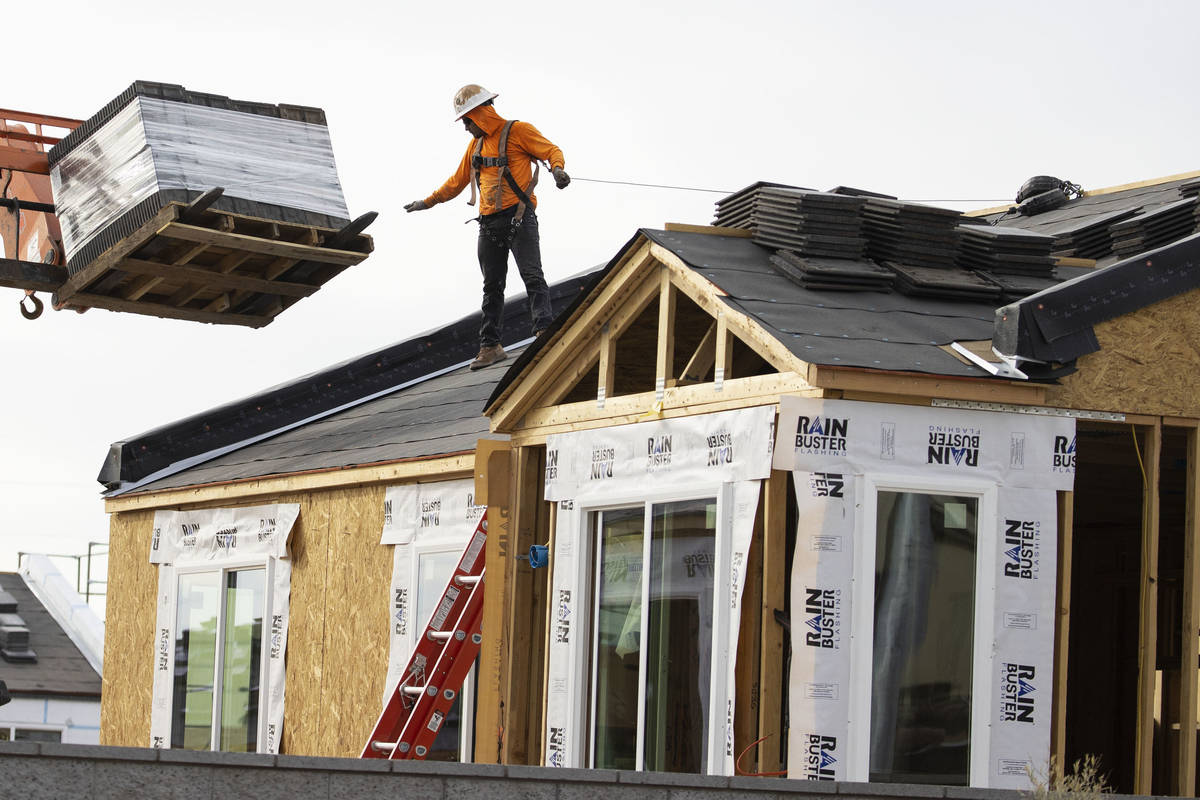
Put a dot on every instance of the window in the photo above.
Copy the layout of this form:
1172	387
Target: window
922	676
8	734
454	740
219	659
652	637
924	619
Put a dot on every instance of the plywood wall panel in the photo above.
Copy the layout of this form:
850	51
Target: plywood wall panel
1145	364
129	632
359	576
303	709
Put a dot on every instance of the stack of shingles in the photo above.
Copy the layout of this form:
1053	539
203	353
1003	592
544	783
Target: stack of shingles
1089	238
1019	261
1154	228
737	210
1192	189
920	245
818	234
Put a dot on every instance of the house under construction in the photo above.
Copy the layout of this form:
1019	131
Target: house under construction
898	494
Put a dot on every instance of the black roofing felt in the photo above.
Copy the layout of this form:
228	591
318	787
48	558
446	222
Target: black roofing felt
877	330
60	668
277	408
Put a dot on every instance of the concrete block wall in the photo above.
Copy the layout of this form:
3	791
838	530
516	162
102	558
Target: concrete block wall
31	771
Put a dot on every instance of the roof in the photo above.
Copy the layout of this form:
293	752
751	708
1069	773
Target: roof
413	399
898	331
1095	208
61	668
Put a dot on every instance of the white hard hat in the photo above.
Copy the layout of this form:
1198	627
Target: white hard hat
469	97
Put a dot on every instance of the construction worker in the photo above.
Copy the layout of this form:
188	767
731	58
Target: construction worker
500	164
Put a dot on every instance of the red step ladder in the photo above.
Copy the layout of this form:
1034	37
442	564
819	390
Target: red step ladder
417	707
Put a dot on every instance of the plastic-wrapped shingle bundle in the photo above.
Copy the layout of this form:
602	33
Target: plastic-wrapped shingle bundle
158	143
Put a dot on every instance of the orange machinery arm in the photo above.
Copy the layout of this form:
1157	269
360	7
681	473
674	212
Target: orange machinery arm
29	159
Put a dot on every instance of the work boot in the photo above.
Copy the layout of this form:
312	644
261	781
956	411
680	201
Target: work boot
488	354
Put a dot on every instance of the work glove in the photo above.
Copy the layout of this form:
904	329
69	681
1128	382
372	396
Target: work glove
416	205
561	178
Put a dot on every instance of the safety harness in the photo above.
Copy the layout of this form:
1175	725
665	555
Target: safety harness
479	162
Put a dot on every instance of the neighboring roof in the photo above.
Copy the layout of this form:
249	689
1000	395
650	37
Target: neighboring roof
60	668
436	416
411	399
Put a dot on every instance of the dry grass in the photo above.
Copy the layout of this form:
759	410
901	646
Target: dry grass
1082	781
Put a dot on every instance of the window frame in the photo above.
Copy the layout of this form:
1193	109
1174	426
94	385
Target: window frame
583	658
863	616
266	563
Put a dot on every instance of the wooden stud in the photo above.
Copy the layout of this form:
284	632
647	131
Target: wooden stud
1190	650
608	365
774	593
665	358
703	358
1148	628
1062	631
493	461
722	355
237	241
522	624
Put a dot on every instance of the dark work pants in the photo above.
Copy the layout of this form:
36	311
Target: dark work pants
497	237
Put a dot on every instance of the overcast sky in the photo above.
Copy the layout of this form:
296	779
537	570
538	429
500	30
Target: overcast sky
931	101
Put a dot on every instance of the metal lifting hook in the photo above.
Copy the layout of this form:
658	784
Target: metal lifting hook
36	311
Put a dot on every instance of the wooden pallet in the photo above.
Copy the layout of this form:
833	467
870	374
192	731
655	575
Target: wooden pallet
192	263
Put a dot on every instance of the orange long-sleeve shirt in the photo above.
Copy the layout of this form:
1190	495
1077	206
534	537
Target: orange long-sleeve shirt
525	144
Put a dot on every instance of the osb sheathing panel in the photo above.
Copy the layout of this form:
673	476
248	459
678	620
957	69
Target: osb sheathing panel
356	620
129	632
1146	364
337	634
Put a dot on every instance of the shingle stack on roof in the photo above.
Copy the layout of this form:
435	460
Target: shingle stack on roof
1010	251
949	284
1191	188
911	234
920	245
817	224
1089	237
1154	228
832	273
736	210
